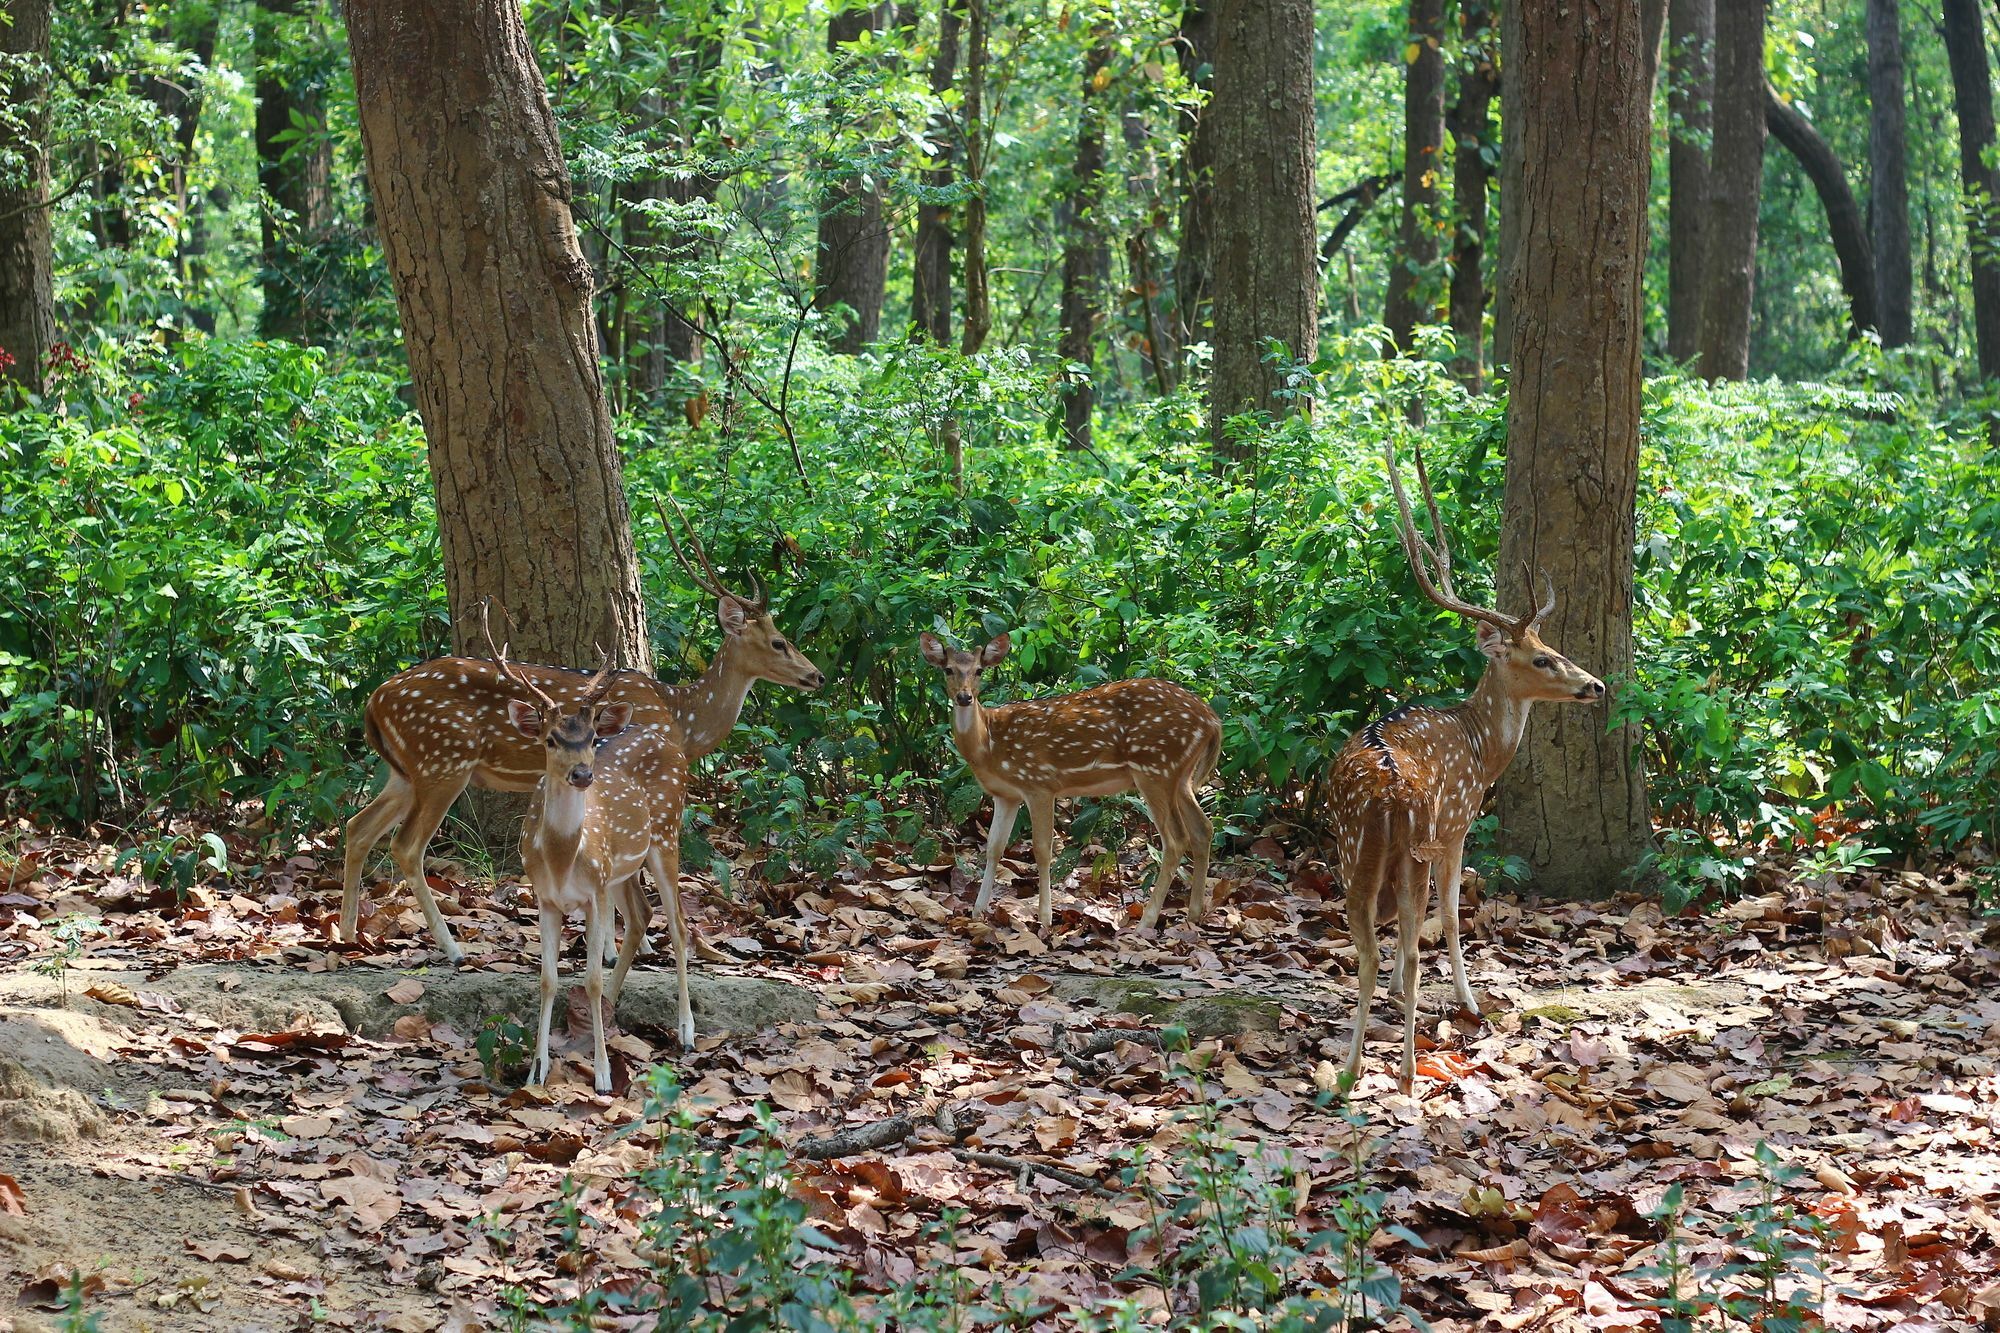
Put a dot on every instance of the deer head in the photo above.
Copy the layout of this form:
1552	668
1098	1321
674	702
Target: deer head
758	649
962	669
1529	668
570	739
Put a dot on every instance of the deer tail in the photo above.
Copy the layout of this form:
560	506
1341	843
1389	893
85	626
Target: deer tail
371	729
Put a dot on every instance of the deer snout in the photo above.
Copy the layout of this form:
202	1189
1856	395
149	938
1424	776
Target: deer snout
1591	692
815	678
964	698
579	777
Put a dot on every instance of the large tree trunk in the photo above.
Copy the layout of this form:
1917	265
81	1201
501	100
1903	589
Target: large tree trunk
1843	216
851	261
1265	245
1889	186
1736	180
472	201
1086	261
1690	94
296	175
1471	130
27	297
1194	266
1412	273
1573	805
1972	90
978	135
930	277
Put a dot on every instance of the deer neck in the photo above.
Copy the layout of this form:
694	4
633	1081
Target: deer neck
1494	722
559	831
969	732
708	708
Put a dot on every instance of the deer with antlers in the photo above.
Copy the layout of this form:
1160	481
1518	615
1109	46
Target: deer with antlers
444	724
1152	735
608	804
1406	788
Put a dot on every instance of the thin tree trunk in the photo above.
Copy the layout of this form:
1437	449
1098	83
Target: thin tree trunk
1889	186
1086	262
1194	267
930	277
1843	216
1471	123
1264	238
1972	90
1511	112
978	135
179	100
1412	273
1690	98
296	175
1573	804
472	201
1142	186
851	261
1736	178
27	296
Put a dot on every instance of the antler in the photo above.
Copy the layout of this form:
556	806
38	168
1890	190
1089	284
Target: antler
1417	549
712	585
550	709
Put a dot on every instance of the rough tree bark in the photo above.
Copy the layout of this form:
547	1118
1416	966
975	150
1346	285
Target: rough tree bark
296	176
27	296
1573	804
1736	178
1511	111
1972	94
1471	123
1690	92
1194	267
472	201
1412	272
851	261
978	298
1086	260
1843	216
1263	234
930	276
1888	171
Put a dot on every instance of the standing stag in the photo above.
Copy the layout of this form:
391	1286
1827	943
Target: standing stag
444	724
1406	788
1148	734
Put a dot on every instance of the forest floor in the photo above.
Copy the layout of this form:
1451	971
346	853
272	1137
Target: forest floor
223	1122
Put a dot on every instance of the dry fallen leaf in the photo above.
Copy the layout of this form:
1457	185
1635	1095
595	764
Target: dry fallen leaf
110	992
12	1200
407	991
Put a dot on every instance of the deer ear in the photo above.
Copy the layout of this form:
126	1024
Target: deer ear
613	718
995	650
1495	642
732	616
525	719
932	648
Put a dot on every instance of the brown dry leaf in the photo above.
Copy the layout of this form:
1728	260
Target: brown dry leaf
792	1090
407	991
217	1251
306	1126
1678	1083
12	1201
110	992
1056	1132
411	1027
374	1203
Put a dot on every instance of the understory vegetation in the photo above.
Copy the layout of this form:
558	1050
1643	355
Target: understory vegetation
209	556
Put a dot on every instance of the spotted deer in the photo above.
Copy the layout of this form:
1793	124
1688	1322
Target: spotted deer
607	805
1405	789
442	725
1152	735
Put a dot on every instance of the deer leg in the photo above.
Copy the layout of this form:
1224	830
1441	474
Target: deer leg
1042	814
666	866
637	909
1413	893
1004	811
1364	885
390	807
426	813
597	934
1162	803
1197	839
1449	870
552	921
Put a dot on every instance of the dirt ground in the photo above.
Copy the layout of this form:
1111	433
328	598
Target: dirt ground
230	1125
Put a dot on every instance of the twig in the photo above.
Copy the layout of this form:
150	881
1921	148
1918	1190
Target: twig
858	1139
1028	1166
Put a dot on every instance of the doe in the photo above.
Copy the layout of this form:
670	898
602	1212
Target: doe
1405	789
1152	735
